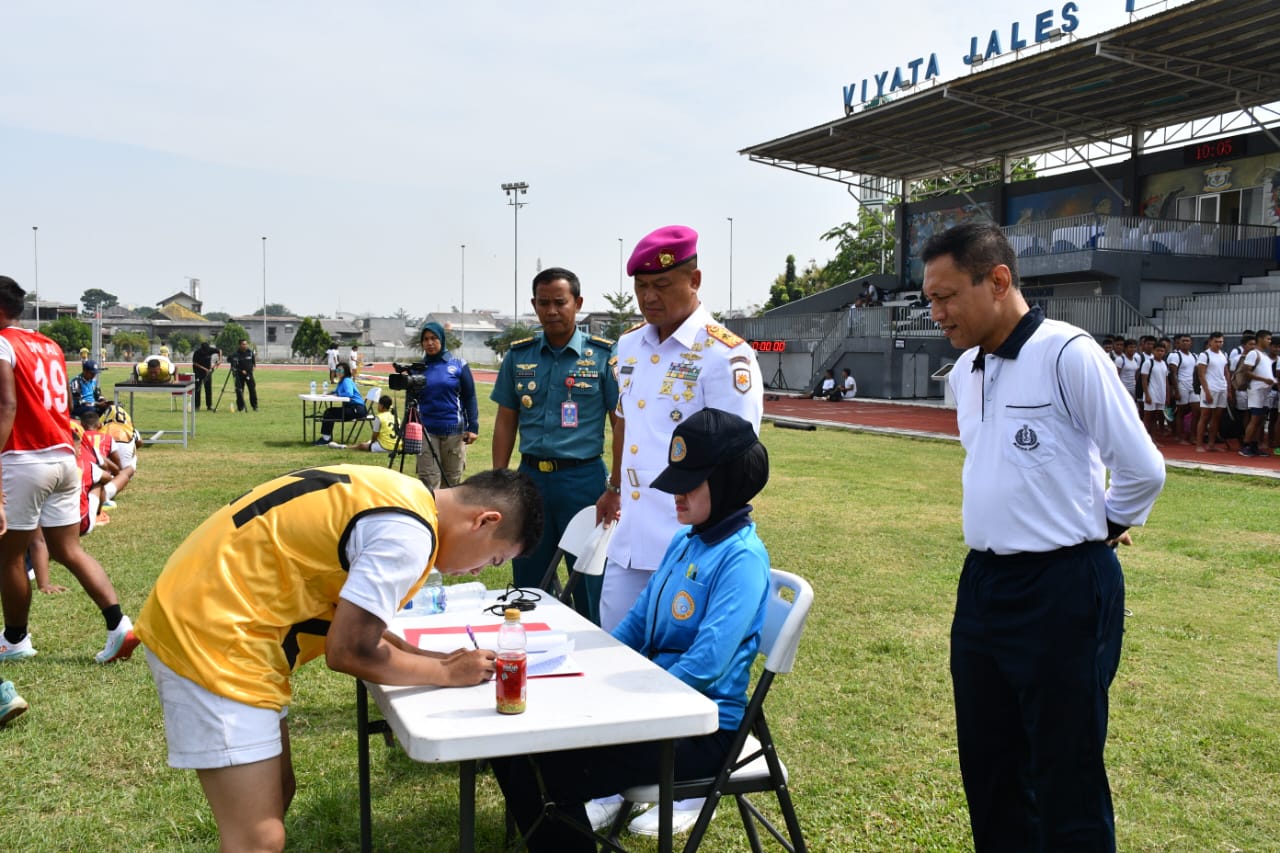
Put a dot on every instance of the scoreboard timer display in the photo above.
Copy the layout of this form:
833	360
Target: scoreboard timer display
769	346
1215	150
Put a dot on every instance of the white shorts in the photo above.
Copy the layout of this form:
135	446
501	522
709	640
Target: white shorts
1257	400
128	454
42	494
375	447
206	731
1185	397
1153	407
1219	400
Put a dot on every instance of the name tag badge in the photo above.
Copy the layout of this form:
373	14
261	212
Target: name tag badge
569	414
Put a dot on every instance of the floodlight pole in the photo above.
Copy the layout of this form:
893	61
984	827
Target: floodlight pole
462	322
514	190
621	265
730	218
264	296
35	264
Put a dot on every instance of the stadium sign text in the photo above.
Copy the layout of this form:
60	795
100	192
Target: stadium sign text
1045	26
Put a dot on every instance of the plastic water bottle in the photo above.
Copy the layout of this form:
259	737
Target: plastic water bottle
313	387
431	598
512	674
467	596
325	387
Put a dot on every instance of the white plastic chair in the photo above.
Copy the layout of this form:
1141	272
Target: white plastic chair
587	542
754	766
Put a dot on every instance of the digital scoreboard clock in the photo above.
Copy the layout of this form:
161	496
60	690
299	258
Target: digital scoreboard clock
1215	150
769	346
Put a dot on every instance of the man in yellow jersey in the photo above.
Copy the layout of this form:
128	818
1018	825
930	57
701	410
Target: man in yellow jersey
314	562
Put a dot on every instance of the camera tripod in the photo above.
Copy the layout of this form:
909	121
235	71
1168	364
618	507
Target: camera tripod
411	416
218	402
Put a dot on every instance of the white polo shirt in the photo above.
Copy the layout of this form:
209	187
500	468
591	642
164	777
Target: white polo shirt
700	365
1041	424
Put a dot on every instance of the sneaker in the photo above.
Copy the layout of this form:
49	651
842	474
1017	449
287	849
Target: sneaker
16	651
1248	451
682	820
120	643
11	704
602	812
322	441
336	446
109	504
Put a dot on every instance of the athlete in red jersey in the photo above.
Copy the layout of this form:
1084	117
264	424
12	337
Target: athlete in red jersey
42	483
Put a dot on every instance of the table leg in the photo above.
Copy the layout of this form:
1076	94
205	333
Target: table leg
467	807
304	420
666	785
362	734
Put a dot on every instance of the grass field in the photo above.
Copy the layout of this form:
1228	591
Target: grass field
864	723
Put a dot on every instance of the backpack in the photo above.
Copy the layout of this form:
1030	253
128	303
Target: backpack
1195	377
1240	376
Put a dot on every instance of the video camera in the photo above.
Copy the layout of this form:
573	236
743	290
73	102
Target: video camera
407	377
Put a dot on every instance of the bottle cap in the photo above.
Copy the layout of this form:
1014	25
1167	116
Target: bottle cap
512	614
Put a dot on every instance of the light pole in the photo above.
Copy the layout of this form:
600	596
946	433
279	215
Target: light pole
264	296
621	266
462	322
514	190
35	263
730	218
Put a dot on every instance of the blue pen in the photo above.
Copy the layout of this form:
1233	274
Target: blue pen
472	635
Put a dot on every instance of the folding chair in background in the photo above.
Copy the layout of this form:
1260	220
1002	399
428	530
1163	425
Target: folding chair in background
753	765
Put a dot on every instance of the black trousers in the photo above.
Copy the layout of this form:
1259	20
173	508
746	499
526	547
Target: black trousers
336	414
1035	644
241	383
572	777
204	379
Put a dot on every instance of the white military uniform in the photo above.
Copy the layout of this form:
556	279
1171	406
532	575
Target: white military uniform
700	365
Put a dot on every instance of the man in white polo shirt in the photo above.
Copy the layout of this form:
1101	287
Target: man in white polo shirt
1035	641
1260	369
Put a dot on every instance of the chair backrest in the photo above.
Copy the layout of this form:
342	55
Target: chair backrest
784	620
585	541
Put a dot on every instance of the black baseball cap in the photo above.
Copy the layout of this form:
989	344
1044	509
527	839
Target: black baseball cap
703	442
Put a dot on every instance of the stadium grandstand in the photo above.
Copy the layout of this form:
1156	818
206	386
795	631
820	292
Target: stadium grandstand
1154	206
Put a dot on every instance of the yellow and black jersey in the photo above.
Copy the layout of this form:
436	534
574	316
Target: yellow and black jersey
250	594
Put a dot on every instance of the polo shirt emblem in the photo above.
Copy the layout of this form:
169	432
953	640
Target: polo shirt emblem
1026	438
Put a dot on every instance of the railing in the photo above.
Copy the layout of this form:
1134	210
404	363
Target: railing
1200	314
1098	315
796	328
1092	232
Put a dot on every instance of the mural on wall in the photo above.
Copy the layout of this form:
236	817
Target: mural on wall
1068	201
1160	193
921	225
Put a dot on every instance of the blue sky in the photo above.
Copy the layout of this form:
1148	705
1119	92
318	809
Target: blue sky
152	141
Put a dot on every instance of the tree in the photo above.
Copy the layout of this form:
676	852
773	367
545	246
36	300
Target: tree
501	343
128	343
407	318
274	309
69	333
971	179
311	340
230	337
94	298
860	248
217	316
146	312
620	313
181	343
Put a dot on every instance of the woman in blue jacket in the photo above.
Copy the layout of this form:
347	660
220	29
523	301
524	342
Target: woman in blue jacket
352	410
699	618
448	410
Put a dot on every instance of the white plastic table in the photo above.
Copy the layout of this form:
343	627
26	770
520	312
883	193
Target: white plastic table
317	413
185	390
622	697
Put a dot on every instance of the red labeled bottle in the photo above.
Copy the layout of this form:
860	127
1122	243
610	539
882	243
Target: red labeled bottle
512	675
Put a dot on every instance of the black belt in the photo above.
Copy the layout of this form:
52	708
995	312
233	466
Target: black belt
547	466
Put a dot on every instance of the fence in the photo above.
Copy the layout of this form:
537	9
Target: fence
1091	232
1202	313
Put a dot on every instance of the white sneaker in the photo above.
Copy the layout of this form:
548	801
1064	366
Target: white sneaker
601	813
682	819
120	643
11	704
16	651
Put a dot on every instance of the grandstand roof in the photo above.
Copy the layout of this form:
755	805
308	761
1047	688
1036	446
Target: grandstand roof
1203	59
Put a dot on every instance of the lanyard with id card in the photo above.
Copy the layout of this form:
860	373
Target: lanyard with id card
569	409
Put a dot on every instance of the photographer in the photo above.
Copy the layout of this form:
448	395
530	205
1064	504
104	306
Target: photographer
447	409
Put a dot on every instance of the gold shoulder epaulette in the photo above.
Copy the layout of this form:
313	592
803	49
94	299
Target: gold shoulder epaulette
723	335
604	342
522	342
640	325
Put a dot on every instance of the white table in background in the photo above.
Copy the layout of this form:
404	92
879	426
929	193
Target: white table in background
622	697
316	414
